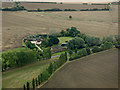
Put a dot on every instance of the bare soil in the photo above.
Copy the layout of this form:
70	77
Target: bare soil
96	71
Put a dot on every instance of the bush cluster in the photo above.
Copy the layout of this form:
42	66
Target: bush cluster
52	40
81	53
21	58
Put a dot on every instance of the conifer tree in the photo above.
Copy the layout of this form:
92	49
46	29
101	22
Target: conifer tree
36	81
33	83
28	86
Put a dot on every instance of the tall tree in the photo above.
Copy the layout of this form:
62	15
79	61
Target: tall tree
36	82
33	83
50	68
28	86
24	87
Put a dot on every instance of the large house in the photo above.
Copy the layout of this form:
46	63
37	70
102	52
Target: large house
35	41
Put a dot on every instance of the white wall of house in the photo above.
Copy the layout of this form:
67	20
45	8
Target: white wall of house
39	43
34	42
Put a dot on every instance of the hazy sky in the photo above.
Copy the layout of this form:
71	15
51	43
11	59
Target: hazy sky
73	0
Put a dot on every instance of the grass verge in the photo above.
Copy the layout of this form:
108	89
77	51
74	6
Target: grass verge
17	77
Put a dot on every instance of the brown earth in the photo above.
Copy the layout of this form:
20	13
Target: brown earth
17	25
8	4
33	6
96	71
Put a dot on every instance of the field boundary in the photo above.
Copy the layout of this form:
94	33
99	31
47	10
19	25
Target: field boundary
52	75
71	62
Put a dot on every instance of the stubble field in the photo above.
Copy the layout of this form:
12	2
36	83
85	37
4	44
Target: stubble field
33	6
17	25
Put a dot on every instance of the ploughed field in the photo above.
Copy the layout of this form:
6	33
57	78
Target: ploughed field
17	25
95	71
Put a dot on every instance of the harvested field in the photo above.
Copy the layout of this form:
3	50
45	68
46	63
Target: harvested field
96	71
8	4
33	6
17	25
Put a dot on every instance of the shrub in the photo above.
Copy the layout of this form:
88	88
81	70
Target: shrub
88	51
117	38
92	41
36	82
96	49
107	45
70	17
84	52
75	56
33	83
117	44
70	52
76	51
50	68
39	9
76	43
28	86
24	87
108	39
80	53
46	75
39	79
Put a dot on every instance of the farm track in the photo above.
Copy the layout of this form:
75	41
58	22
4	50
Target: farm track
95	71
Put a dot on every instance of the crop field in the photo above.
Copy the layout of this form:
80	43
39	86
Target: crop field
8	4
16	78
96	71
33	6
17	25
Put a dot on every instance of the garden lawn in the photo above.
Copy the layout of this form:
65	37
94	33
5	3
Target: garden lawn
16	78
63	39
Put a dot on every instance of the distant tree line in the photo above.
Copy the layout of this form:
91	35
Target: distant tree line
95	9
17	8
43	76
57	9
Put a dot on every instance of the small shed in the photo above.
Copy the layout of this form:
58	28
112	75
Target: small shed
63	44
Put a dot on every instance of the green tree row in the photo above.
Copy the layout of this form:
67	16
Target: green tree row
47	73
86	51
21	58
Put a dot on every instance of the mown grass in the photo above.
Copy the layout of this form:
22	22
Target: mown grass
16	49
17	77
63	39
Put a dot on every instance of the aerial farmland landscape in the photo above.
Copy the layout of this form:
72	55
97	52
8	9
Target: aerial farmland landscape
60	44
